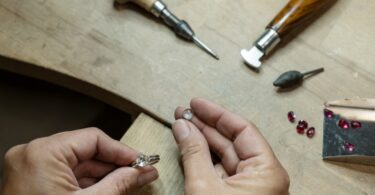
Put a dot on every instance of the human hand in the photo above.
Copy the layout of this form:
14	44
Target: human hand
78	162
248	164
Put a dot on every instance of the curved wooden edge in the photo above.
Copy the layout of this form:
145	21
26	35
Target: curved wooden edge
69	82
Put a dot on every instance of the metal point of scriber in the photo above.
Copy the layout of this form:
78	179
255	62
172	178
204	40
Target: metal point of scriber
204	47
182	29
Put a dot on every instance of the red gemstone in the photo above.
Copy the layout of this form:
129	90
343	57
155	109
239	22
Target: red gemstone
349	147
328	113
343	124
300	129
310	132
291	116
302	125
356	124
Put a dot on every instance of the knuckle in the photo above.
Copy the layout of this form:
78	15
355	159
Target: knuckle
281	180
90	131
34	148
191	150
95	130
121	187
226	150
198	187
124	185
285	180
37	144
12	153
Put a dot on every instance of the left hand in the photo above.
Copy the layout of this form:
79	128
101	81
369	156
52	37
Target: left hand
78	162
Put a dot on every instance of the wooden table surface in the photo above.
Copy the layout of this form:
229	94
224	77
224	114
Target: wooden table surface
150	137
125	56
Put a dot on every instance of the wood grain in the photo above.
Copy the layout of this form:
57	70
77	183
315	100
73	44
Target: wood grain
150	137
145	4
129	54
297	15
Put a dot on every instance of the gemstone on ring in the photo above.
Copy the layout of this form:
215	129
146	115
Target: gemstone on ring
144	160
187	114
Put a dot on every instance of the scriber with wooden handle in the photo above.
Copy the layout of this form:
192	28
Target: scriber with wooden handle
180	27
292	19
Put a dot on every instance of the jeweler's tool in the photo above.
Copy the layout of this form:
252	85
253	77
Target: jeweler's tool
180	27
292	19
294	78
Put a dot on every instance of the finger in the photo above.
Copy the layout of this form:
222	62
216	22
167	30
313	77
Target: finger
194	150
85	144
220	171
93	169
86	182
248	141
124	180
221	145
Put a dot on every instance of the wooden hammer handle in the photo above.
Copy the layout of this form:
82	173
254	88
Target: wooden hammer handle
297	15
145	4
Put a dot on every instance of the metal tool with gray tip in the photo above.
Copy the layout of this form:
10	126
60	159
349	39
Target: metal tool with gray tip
180	27
294	78
293	18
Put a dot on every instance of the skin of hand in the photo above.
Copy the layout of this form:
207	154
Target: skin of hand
248	164
84	161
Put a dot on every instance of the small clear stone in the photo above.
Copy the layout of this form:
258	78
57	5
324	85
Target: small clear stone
142	160
187	114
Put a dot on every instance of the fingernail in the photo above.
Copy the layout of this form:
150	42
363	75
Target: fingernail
147	177
180	130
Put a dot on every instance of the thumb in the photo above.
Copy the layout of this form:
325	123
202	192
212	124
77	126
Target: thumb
123	180
195	152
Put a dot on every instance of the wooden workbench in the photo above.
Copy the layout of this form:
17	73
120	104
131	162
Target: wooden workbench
147	133
126	58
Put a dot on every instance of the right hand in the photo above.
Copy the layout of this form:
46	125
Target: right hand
248	164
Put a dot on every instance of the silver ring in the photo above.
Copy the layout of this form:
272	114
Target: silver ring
144	161
187	114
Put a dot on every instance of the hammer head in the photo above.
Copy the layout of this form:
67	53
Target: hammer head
252	57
